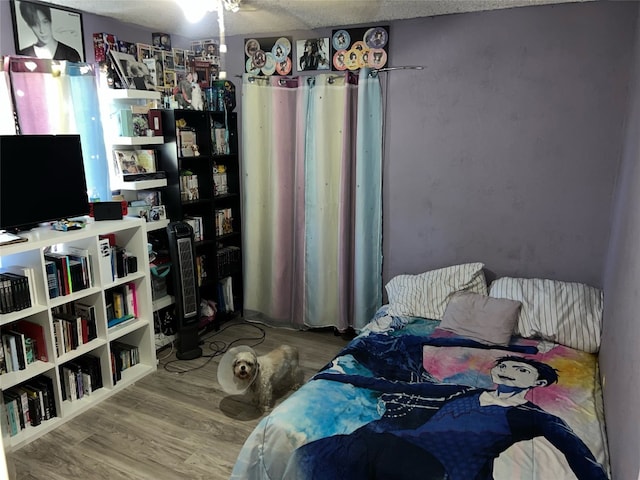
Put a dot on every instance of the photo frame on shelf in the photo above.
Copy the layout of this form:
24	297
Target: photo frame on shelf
132	73
65	27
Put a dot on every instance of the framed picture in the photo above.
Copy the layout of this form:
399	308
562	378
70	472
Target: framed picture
355	48
268	56
132	73
47	31
313	54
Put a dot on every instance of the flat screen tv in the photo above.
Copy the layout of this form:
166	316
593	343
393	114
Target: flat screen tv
41	179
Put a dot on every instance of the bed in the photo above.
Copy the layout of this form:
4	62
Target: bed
451	379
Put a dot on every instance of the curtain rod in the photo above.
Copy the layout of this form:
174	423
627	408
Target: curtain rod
333	77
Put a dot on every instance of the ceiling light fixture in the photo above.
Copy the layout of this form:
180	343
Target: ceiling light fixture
195	10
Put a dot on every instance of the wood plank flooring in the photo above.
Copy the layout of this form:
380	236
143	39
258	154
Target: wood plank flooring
175	423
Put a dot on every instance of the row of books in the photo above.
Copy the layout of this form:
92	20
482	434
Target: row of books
115	261
23	343
197	225
201	268
189	189
228	259
16	289
123	356
122	304
74	324
225	295
80	377
68	271
224	221
220	180
28	405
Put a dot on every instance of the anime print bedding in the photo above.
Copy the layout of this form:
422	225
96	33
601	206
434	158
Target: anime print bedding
408	403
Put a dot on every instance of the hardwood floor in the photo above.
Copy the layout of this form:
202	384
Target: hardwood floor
169	425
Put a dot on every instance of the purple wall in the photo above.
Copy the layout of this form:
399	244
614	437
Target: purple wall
505	148
620	355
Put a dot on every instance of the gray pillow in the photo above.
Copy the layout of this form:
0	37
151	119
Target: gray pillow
480	317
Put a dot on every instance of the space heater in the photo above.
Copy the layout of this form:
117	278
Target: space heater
185	289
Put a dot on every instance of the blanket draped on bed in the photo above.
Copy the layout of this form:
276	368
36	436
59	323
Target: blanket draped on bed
405	404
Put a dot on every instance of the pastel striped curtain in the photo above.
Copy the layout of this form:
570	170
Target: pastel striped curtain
312	155
58	97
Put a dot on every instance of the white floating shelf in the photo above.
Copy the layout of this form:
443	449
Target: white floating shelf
138	140
139	185
130	94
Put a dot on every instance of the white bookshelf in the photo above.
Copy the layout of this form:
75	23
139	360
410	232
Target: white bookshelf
113	100
129	233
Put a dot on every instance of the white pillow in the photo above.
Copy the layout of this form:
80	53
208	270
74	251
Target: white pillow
427	294
563	312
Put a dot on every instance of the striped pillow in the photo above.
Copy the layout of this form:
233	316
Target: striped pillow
427	294
562	312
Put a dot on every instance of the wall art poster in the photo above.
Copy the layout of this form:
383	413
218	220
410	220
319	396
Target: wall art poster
47	31
313	54
268	56
355	48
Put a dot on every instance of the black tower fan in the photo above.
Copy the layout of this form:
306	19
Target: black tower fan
186	289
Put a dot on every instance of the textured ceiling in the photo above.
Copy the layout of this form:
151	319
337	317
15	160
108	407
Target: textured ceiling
274	16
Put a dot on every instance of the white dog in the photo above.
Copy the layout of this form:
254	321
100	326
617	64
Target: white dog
268	375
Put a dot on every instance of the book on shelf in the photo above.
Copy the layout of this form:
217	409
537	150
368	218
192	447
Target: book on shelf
59	337
36	404
52	279
35	332
126	356
6	298
15	292
153	198
220	180
68	383
11	353
21	415
224	221
71	326
20	348
45	386
24	401
197	225
105	261
3	360
225	295
87	314
187	142
131	298
61	262
189	189
127	162
11	407
29	273
82	256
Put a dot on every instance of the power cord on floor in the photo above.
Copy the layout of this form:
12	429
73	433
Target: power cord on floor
218	347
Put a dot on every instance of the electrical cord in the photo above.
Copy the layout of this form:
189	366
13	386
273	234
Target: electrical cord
218	347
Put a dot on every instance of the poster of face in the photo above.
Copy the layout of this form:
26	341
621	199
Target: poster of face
268	56
313	54
47	31
356	48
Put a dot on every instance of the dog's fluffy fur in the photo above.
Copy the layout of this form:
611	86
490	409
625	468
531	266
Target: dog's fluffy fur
275	373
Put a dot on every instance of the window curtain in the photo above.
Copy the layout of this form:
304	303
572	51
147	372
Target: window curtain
312	161
58	97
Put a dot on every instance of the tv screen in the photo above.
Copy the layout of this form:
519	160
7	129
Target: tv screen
41	180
